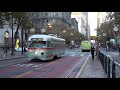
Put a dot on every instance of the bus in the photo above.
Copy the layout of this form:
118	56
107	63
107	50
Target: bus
85	46
45	47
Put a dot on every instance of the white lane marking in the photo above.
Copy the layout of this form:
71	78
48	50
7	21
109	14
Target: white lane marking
29	65
82	55
77	76
73	68
109	56
73	54
19	65
36	65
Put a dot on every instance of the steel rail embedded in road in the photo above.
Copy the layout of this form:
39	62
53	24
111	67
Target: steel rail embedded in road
44	65
57	66
77	76
75	67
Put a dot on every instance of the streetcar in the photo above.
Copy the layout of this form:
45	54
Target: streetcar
85	45
45	47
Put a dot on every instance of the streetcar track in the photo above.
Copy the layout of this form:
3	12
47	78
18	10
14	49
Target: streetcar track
15	69
58	62
82	67
45	65
59	66
75	66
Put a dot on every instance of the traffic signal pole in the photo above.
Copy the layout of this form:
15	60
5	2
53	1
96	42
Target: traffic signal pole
22	40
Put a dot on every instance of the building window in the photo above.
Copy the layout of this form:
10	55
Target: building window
54	14
46	14
32	14
37	15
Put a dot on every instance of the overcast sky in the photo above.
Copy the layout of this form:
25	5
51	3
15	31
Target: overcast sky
92	16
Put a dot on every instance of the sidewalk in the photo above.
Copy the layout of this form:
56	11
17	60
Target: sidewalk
93	69
9	56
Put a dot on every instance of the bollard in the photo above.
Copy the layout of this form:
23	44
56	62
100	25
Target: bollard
108	66
102	60
113	70
105	63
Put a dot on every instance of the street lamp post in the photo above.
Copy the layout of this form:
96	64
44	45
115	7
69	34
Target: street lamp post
115	29
12	34
22	40
104	35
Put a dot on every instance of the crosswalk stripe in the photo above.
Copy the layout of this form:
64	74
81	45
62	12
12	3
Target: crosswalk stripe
82	55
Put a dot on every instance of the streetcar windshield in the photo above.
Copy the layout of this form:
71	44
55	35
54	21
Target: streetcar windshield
38	44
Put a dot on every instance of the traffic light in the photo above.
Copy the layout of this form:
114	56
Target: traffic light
93	37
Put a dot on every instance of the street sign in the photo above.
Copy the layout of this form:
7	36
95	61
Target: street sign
43	30
32	30
115	28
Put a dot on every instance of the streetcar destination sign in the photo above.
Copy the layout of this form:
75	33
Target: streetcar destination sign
37	39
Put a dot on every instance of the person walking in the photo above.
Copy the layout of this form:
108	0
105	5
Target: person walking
119	49
5	51
92	51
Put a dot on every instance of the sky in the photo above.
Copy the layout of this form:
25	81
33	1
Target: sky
92	17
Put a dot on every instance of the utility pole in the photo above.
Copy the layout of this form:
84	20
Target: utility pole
13	53
86	25
97	40
22	40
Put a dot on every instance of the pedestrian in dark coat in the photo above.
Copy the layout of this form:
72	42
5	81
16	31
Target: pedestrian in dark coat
92	51
119	49
5	50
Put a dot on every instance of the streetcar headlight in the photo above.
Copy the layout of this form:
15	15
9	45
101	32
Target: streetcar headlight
36	52
30	50
42	53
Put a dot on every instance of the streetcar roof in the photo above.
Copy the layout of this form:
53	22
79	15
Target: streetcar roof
45	37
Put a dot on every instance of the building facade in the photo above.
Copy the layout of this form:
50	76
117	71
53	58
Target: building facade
42	19
74	24
84	24
82	18
8	29
77	16
101	18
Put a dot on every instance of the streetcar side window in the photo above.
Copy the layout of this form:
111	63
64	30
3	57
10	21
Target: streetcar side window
52	43
48	44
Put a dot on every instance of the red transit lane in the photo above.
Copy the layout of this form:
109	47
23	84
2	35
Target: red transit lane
66	67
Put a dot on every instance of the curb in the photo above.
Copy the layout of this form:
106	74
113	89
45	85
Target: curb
11	58
78	75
